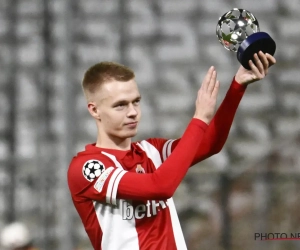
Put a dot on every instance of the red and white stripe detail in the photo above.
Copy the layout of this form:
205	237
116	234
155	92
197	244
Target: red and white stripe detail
154	155
111	193
109	216
151	152
167	149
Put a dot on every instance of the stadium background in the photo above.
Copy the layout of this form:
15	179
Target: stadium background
45	47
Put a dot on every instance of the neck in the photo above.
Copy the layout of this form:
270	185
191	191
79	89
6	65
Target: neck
112	142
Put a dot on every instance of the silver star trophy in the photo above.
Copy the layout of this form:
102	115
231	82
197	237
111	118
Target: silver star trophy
238	31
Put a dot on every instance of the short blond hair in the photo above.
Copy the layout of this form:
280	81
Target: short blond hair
103	72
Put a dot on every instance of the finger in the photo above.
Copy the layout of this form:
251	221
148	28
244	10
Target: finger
258	63
212	82
271	59
254	69
216	89
207	78
264	60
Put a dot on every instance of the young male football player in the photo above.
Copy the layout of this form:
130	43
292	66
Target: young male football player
122	189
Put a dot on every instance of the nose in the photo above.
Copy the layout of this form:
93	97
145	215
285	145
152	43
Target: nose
132	111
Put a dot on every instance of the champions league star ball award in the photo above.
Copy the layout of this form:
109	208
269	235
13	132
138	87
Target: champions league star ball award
238	31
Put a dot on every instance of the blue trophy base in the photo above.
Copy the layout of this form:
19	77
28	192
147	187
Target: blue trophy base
254	43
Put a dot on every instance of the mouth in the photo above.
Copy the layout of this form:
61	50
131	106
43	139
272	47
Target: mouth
131	124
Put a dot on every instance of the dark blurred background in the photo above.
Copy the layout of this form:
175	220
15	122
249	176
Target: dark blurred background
250	187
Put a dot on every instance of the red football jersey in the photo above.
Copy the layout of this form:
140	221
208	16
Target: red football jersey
123	197
128	224
121	204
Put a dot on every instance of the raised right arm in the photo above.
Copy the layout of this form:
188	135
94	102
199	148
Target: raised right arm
163	182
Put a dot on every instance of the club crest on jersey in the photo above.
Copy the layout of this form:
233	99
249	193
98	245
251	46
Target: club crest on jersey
139	169
92	169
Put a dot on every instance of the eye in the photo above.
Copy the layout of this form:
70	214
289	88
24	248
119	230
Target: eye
120	105
137	102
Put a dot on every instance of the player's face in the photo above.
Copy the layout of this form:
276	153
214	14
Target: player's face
119	108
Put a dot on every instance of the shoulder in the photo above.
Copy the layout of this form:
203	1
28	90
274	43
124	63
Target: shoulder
91	153
86	166
86	160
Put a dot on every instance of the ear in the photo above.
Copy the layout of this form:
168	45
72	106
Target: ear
94	111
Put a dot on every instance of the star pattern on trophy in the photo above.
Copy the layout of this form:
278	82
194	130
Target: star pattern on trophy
234	27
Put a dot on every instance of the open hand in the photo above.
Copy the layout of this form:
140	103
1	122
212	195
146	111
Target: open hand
258	70
207	96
